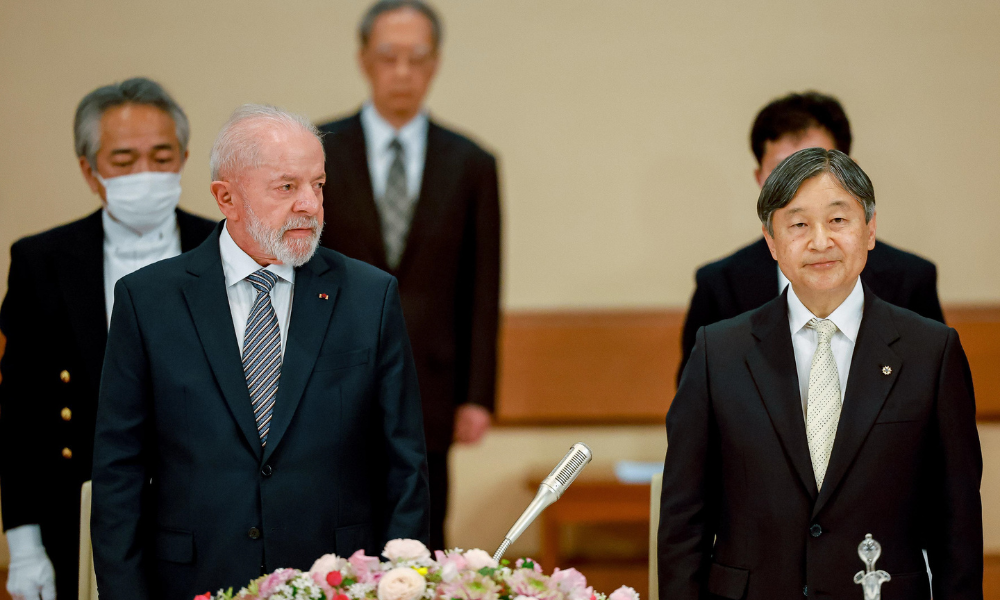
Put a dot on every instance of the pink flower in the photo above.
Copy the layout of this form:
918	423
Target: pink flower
406	549
624	593
205	596
521	562
526	582
451	563
572	584
365	567
479	559
469	585
276	580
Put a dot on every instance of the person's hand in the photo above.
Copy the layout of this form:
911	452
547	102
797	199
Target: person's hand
471	423
30	575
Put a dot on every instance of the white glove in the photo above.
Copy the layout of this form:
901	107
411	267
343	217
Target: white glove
30	575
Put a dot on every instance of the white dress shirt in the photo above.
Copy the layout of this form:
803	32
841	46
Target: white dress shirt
126	251
236	265
379	134
847	318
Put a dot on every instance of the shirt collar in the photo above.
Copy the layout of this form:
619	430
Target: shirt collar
847	316
237	264
382	133
117	234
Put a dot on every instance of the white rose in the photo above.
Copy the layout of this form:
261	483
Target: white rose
327	563
401	583
477	559
406	549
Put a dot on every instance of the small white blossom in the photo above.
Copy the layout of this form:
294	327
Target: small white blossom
360	590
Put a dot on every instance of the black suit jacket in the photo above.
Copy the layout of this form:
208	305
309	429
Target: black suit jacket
55	322
344	467
748	278
449	274
740	513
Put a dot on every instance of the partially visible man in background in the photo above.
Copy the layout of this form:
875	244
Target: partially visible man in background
749	277
422	202
131	141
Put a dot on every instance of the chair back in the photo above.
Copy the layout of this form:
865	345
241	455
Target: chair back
87	587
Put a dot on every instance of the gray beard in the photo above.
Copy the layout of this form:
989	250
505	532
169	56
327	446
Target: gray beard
294	252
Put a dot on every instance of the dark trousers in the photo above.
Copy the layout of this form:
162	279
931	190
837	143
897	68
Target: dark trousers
437	467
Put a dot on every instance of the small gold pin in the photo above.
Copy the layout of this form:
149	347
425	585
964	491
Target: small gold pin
886	370
324	297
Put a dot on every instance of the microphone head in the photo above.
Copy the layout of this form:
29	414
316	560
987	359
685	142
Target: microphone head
568	468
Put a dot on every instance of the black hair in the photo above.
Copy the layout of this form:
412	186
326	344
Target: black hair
795	113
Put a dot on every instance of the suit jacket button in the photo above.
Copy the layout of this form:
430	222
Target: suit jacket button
816	530
254	533
67	453
66	414
64	376
266	471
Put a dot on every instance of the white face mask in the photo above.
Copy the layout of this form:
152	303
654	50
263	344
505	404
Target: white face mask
142	201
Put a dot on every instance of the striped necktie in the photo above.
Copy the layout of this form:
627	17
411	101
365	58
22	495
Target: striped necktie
262	352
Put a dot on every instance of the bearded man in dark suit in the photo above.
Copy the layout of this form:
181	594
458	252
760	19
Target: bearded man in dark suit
749	277
131	142
259	405
822	416
422	202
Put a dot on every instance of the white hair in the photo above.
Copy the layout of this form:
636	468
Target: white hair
237	147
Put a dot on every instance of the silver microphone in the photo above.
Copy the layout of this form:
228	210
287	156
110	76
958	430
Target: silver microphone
549	491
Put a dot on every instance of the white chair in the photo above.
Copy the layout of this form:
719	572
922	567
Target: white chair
655	485
87	587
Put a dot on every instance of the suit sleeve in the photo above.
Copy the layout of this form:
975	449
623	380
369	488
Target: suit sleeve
20	421
691	484
924	299
485	289
121	461
955	545
703	311
408	499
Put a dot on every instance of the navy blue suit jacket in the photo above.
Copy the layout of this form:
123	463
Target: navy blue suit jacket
185	499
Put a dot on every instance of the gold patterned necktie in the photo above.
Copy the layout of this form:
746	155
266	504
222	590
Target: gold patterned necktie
824	399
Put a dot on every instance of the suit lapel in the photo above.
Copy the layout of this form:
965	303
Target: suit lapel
82	283
358	179
756	281
208	302
306	332
867	388
431	201
772	365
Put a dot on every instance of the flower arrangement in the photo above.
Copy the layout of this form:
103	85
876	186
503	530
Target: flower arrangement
411	573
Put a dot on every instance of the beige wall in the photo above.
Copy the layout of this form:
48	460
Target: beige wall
621	128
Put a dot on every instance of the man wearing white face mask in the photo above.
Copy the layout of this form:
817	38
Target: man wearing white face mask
131	140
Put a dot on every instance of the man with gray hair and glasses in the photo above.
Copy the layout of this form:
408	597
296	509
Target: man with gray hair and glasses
825	415
259	406
131	142
422	202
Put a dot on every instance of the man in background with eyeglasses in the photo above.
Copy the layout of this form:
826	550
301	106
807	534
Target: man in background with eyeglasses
422	202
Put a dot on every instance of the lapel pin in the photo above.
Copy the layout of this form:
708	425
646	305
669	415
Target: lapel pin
887	370
325	297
